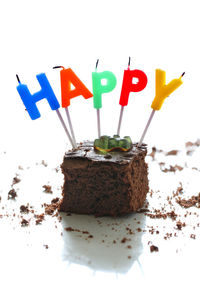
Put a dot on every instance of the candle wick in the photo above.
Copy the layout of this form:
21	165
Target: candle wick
97	63
58	67
18	78
183	74
129	62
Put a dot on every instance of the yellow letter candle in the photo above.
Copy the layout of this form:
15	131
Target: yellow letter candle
162	92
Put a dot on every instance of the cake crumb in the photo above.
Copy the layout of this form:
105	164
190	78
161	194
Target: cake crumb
179	225
69	229
24	222
24	209
51	208
44	163
193	201
12	194
39	219
139	229
124	240
193	236
16	180
172	152
47	189
172	169
154	248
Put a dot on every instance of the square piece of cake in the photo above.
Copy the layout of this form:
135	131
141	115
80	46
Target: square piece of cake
104	184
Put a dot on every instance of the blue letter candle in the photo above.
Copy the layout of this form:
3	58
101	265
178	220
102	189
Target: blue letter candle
30	100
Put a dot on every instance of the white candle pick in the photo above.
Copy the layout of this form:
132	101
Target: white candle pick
98	110
70	126
122	107
146	128
65	128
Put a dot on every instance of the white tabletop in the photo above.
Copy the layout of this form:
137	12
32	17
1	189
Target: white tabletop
53	262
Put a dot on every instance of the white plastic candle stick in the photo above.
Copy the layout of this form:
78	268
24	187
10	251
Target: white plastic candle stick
65	128
70	126
98	123
120	120
122	107
98	110
146	128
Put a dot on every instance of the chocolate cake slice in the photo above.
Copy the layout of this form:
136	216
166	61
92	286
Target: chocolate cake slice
104	184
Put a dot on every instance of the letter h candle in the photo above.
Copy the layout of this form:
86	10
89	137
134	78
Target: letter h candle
46	91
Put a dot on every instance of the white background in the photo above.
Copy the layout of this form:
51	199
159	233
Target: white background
37	35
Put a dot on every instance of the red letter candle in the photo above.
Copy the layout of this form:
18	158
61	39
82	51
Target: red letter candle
128	86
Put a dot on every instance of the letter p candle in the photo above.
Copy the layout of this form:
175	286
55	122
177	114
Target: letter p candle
128	86
99	89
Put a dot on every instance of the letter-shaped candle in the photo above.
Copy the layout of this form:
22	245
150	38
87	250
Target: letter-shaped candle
99	88
162	92
68	77
128	86
30	100
46	91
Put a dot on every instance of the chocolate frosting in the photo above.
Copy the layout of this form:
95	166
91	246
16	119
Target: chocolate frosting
86	150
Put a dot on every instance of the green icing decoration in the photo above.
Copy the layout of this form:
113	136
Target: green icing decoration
106	143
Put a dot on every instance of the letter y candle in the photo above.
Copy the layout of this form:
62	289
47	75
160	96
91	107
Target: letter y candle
162	92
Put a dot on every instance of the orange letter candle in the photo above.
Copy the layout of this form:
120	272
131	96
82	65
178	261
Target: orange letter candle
68	77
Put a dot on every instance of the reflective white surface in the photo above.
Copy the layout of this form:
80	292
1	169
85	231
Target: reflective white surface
79	266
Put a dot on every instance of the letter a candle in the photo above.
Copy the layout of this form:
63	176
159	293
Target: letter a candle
68	77
128	86
162	92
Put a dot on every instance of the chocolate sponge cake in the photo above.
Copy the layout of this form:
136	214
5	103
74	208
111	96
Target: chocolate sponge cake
104	184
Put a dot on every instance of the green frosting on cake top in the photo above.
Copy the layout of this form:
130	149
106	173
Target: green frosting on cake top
107	143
